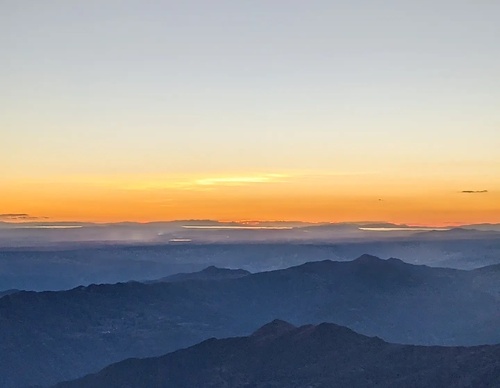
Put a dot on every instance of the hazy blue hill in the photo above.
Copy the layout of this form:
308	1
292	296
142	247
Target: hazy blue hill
209	273
485	226
488	279
53	336
63	267
326	355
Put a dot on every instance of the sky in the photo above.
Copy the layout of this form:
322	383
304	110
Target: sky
347	110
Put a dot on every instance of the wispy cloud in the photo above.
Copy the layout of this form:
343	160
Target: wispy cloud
241	180
213	182
208	183
474	191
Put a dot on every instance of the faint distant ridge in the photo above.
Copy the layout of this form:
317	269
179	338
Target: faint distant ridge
210	222
48	233
484	227
282	355
209	273
459	233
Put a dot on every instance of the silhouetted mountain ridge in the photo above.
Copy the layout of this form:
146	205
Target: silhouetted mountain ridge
282	355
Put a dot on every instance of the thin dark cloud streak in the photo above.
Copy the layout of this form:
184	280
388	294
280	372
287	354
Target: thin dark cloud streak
474	191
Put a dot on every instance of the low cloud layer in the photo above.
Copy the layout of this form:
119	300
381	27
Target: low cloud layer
19	217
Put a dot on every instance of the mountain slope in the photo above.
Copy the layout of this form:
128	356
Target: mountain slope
327	355
209	273
8	292
53	336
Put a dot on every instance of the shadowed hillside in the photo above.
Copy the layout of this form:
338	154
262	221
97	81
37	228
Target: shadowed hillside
327	355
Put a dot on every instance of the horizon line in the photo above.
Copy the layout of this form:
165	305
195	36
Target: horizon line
243	223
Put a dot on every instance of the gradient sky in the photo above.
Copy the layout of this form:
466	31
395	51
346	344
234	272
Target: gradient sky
341	110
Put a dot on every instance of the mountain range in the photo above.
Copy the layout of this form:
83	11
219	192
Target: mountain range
64	267
47	337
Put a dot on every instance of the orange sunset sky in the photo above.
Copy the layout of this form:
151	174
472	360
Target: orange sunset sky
318	111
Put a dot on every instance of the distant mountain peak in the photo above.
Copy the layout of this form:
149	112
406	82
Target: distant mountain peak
211	268
364	261
366	258
392	262
274	329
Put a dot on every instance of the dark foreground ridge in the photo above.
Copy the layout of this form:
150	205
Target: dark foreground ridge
326	355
